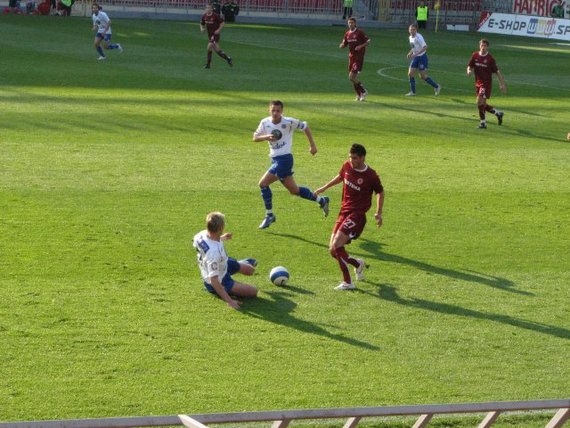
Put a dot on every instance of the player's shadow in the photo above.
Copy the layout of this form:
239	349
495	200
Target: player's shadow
375	250
279	310
532	135
428	112
389	293
300	238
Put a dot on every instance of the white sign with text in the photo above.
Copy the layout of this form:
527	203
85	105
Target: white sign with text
524	25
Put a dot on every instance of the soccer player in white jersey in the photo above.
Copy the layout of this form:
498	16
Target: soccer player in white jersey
419	61
102	26
278	130
216	267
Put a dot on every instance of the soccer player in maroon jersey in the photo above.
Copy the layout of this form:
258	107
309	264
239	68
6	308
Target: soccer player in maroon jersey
360	182
214	23
356	41
484	65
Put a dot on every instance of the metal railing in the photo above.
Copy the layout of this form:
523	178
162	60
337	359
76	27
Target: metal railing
450	11
490	411
398	12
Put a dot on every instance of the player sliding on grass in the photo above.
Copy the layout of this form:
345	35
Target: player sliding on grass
216	267
359	183
278	130
484	65
214	23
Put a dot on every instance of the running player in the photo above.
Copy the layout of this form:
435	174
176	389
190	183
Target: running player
102	25
213	23
484	65
419	61
278	130
360	182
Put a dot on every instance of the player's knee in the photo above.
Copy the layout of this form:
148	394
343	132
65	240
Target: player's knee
246	269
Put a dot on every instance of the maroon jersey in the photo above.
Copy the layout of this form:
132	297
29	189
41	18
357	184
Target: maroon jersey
484	66
211	22
358	188
353	39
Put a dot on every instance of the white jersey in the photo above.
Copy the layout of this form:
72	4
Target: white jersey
283	129
212	257
101	20
417	43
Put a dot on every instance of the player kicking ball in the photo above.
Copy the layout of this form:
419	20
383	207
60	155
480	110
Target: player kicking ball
217	268
360	182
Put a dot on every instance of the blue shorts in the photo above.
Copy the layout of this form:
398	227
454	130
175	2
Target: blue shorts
281	166
420	62
106	37
227	280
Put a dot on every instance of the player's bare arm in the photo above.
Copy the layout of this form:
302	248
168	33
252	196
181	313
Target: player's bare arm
363	45
312	145
502	85
379	208
221	291
420	53
333	182
263	137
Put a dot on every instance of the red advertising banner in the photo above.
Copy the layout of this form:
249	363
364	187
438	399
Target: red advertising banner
555	8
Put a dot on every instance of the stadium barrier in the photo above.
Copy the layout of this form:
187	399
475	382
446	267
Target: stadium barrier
352	416
391	13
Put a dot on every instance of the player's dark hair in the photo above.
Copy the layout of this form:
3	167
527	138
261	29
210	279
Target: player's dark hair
276	103
358	149
352	18
485	41
97	5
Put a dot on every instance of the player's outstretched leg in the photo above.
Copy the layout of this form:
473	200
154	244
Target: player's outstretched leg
500	115
323	201
496	112
359	270
225	56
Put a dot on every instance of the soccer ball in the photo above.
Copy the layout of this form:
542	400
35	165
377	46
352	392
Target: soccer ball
276	134
279	275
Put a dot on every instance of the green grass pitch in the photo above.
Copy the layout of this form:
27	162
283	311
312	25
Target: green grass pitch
108	169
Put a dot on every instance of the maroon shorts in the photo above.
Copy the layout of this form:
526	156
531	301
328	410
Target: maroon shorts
351	224
355	64
483	91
